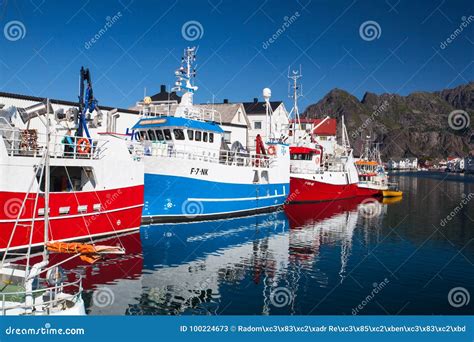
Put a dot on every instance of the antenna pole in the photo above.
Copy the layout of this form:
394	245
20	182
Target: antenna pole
47	184
296	92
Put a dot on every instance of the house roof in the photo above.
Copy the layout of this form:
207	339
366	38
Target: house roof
227	111
328	127
60	102
258	107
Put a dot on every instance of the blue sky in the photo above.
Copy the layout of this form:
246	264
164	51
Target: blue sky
143	46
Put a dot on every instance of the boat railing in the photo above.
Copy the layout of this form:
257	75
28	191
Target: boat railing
168	108
325	167
54	296
226	157
30	143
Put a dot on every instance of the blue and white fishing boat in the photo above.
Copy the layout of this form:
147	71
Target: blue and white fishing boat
192	174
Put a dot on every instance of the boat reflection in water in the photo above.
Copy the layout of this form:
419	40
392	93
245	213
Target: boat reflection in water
251	265
111	282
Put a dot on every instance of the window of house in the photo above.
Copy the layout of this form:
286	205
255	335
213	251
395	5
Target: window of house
159	135
197	136
257	125
178	134
211	137
227	137
204	136
190	134
167	133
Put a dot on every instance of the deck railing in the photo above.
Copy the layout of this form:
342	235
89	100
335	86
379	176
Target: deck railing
55	295
168	108
160	149
30	143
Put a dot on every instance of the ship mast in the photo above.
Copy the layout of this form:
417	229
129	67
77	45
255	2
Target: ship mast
184	84
295	91
47	182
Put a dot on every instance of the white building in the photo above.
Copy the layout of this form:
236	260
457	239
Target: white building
111	120
256	112
409	163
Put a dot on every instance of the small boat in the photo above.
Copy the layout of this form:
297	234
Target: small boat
392	191
319	175
373	179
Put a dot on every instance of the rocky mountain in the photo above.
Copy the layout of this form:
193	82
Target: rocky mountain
424	125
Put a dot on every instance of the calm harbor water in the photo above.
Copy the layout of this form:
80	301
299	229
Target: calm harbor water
346	257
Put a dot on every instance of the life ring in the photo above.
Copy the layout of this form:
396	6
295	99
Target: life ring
317	160
271	150
83	146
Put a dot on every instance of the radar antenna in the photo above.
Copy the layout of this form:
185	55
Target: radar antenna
295	91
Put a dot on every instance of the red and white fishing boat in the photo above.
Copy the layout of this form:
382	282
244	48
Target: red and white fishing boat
373	179
96	183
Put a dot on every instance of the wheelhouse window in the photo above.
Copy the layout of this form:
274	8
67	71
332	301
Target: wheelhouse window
159	135
211	137
178	134
167	133
151	135
197	136
142	135
204	136
301	156
190	134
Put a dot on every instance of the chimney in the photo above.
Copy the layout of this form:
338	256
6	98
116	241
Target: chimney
163	88
255	99
226	100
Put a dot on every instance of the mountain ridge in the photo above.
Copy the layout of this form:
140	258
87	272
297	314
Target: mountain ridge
426	125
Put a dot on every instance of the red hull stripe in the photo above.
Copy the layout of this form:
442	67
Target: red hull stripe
89	214
303	190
